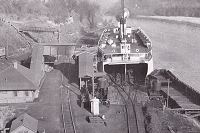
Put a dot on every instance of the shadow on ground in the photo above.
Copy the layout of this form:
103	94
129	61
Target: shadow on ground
69	70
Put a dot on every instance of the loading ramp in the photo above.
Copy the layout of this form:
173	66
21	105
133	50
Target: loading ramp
184	96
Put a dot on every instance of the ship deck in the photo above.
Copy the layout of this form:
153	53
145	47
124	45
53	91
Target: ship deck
115	48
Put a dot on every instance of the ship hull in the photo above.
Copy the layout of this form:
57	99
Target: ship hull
150	66
137	71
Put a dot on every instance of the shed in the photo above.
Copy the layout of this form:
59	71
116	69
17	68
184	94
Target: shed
25	124
14	86
86	65
160	75
11	79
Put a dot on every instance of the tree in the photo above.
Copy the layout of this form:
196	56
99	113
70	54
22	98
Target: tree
71	5
57	10
36	7
19	7
88	10
6	6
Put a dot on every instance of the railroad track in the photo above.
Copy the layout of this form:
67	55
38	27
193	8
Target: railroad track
66	110
132	123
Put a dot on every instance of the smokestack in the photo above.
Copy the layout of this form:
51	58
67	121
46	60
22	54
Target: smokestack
122	6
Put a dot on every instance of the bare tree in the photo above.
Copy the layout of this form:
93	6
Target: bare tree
88	10
71	5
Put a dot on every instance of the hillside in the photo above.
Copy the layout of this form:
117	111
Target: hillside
10	38
189	8
59	11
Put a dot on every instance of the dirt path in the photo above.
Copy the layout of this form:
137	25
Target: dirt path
47	110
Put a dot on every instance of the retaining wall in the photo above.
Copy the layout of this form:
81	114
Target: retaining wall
184	88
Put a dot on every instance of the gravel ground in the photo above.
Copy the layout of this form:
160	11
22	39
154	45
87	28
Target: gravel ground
114	115
175	47
160	121
47	110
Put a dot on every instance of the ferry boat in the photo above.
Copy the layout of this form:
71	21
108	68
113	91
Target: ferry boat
126	47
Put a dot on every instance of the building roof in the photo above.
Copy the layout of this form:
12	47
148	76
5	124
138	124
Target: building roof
12	79
37	61
22	77
58	44
26	121
21	57
24	71
4	64
35	73
83	50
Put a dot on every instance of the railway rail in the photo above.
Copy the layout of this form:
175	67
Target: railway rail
131	116
66	111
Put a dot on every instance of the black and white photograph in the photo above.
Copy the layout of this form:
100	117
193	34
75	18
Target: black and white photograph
99	66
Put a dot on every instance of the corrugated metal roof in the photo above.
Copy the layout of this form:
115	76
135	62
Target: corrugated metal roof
26	121
25	71
11	79
35	73
22	78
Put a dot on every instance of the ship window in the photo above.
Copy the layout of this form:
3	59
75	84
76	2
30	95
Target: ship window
4	92
122	47
26	93
15	93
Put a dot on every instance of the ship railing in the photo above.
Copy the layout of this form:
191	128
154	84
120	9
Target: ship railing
137	57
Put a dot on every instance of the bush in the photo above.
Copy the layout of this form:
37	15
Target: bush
178	11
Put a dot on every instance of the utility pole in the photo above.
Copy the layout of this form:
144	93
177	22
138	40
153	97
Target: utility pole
125	71
6	48
93	85
168	93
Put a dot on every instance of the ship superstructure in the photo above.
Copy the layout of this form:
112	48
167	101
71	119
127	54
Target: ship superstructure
128	46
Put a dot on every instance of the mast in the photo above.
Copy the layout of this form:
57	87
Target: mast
122	6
